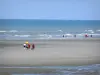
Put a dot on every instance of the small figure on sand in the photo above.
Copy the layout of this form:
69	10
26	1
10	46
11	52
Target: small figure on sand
33	46
26	45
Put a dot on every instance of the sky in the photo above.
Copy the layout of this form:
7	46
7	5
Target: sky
50	9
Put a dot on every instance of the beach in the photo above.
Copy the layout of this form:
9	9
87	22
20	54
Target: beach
50	52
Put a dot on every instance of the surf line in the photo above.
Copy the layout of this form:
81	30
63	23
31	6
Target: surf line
30	67
49	67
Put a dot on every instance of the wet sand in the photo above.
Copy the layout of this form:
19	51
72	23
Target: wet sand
50	53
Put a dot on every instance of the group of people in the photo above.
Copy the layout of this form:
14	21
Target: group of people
86	35
26	45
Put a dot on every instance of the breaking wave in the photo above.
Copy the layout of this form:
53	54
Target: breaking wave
22	35
15	34
3	31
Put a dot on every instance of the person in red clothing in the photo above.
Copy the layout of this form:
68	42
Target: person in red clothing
33	46
28	45
86	35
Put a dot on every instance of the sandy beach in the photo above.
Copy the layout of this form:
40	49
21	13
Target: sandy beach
51	53
66	52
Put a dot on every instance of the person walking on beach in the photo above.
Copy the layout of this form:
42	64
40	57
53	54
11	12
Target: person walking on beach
26	45
33	46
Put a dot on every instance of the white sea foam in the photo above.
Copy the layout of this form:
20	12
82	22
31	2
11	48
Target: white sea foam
98	30
13	31
68	34
89	31
22	35
14	34
79	35
2	31
60	31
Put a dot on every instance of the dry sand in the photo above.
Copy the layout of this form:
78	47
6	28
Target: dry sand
51	53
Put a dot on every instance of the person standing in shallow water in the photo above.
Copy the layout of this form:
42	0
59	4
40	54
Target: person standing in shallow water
90	35
74	35
86	35
63	35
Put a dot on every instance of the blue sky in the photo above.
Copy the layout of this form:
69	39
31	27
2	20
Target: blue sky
50	9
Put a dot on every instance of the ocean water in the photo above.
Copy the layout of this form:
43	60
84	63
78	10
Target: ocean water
18	29
62	70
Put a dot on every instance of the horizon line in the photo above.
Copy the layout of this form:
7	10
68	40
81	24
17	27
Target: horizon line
50	19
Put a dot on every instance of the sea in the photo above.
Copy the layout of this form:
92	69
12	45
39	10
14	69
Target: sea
19	29
58	70
30	29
